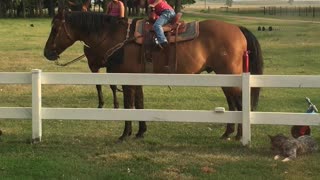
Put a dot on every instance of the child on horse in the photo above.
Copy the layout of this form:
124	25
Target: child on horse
166	14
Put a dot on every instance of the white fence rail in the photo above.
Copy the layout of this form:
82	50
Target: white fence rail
245	81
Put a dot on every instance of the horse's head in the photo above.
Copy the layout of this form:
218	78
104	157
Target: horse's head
90	27
61	37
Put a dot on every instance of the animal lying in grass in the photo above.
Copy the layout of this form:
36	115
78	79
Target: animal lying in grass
289	148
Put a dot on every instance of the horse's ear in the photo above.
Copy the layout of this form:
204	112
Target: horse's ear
60	6
63	6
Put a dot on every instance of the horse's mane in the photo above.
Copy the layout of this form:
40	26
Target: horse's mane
92	22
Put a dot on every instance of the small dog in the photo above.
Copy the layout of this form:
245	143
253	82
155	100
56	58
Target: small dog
290	147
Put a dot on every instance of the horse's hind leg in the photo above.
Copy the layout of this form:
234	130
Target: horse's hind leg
139	104
235	103
230	126
238	102
128	98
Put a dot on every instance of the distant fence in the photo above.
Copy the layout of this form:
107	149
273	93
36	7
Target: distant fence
245	81
307	11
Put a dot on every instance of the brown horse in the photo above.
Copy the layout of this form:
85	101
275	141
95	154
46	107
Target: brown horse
219	47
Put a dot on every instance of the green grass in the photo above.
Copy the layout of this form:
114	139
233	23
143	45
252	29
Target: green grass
88	149
265	9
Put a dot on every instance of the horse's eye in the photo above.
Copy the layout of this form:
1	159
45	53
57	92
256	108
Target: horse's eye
54	30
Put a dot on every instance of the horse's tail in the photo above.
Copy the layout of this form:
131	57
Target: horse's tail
255	62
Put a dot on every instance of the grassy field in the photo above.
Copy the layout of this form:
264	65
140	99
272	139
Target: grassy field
87	149
308	11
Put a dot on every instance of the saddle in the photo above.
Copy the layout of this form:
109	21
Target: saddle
177	31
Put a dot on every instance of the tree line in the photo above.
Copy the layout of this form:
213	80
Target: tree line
41	8
24	8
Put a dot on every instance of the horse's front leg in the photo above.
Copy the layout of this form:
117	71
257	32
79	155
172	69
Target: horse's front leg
115	98
95	69
114	91
128	99
139	104
100	96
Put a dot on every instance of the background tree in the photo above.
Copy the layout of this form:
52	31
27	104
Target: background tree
4	5
229	3
178	4
50	5
36	8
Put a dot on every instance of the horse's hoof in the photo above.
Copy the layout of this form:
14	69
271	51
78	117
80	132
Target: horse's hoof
124	137
225	137
139	136
276	157
121	139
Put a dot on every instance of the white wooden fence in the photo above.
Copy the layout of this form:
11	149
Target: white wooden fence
245	81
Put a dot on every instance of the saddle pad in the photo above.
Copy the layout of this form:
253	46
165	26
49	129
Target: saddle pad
192	31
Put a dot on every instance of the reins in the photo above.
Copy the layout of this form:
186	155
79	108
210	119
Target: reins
70	62
69	36
118	46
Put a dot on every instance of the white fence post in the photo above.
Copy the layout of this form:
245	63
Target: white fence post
36	106
246	109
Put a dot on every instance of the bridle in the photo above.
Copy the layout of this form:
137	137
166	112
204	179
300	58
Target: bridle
63	26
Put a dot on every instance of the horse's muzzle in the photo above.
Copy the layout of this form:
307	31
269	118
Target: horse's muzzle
51	55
